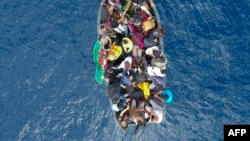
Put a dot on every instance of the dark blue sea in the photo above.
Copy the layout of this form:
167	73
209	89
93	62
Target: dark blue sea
48	90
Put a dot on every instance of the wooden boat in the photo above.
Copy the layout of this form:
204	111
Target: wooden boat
102	56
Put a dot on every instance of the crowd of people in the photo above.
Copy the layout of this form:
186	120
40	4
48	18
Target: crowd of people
133	60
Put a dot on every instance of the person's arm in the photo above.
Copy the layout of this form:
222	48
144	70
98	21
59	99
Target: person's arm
125	11
152	4
111	31
125	110
121	19
110	8
151	114
104	4
159	92
127	6
139	110
157	95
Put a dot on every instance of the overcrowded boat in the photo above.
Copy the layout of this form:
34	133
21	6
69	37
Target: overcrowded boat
131	62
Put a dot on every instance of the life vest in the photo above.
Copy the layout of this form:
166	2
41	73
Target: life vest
127	44
115	52
144	86
148	25
103	59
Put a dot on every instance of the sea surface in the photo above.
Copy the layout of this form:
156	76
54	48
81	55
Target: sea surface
48	90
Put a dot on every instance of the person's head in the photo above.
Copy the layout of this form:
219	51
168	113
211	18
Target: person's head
102	27
110	69
124	124
114	2
163	71
142	67
154	120
163	31
156	53
120	105
127	65
136	19
142	76
140	120
156	39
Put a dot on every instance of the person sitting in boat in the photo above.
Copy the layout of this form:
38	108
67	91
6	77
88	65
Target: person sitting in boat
113	92
124	117
116	22
144	86
127	61
115	5
156	71
105	43
105	30
156	112
139	64
164	96
138	18
154	52
137	94
114	54
158	81
111	75
127	78
159	62
137	113
124	99
143	5
140	76
156	94
143	22
103	59
153	36
104	13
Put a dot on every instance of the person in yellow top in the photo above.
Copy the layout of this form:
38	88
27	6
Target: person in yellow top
144	86
115	52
